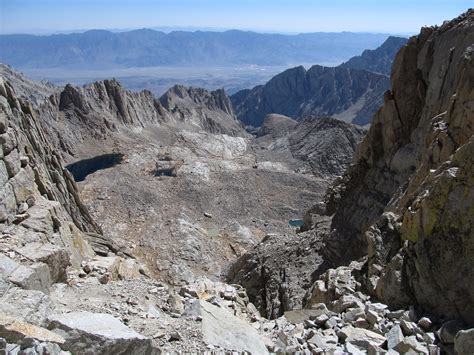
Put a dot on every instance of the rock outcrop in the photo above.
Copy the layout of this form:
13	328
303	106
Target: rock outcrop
35	92
279	270
349	94
98	333
377	60
39	197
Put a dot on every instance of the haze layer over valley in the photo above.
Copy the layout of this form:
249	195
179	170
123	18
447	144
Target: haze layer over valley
153	60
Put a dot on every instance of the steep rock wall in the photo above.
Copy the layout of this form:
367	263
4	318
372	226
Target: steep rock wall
39	200
414	169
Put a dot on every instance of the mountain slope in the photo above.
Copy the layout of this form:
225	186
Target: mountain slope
378	60
321	91
404	209
322	147
145	48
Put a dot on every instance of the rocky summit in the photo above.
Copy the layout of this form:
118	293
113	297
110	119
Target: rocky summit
131	224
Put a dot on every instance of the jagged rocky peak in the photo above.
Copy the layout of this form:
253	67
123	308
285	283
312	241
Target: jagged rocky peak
216	99
378	60
108	103
104	107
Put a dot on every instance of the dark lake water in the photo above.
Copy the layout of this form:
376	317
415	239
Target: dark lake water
80	169
295	222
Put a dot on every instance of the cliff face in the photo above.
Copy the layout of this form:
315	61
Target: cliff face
39	201
409	194
405	204
378	60
348	94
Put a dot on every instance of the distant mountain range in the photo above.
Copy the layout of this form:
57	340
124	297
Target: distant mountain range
351	92
98	49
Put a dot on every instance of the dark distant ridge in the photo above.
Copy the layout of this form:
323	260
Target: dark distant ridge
145	47
319	91
352	91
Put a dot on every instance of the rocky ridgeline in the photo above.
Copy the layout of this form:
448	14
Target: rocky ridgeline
35	92
409	196
73	116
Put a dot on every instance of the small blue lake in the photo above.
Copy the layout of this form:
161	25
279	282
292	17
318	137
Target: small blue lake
295	222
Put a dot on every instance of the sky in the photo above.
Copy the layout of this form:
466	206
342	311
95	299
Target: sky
285	16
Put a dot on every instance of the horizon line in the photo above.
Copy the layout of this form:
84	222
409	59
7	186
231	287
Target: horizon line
193	29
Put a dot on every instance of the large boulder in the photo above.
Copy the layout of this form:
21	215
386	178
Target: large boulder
28	305
361	338
97	333
464	341
222	329
13	330
55	257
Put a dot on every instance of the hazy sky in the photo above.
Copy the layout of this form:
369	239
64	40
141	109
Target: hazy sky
390	16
